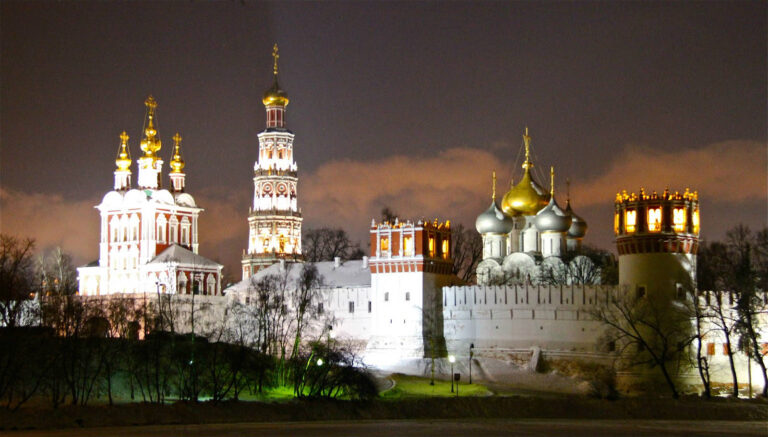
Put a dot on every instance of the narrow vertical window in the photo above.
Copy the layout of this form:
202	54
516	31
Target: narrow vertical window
630	220
654	219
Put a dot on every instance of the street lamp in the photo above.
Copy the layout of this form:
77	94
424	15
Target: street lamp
319	362
471	354
452	360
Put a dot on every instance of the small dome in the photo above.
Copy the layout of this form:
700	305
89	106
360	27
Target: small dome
552	218
578	226
185	199
493	221
275	96
525	198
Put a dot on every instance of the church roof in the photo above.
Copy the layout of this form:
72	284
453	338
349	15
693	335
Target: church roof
348	274
182	255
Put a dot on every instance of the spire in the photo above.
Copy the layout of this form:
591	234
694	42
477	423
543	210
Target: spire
150	165
150	144
527	140
123	160
552	181
177	165
177	162
494	186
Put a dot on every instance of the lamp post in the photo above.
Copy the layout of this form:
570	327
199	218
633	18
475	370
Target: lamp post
471	354
452	359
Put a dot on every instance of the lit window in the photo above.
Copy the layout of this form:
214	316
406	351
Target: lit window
431	246
384	244
616	224
446	248
408	246
696	221
631	220
654	219
710	349
678	218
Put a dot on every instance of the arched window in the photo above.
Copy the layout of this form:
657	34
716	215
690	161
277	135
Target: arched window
161	222
185	228
173	230
211	284
182	283
124	228
134	234
114	226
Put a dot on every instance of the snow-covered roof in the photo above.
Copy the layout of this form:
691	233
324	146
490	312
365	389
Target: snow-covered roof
348	274
182	255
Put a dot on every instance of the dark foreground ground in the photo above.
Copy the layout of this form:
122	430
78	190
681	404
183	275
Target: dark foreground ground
411	414
441	428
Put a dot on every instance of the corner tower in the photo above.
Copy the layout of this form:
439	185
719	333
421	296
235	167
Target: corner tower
274	220
657	237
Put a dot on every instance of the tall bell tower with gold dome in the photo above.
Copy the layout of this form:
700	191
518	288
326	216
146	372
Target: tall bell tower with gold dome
274	220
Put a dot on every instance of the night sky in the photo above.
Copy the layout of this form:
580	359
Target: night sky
406	105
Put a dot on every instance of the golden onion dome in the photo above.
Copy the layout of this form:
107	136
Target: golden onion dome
524	198
275	96
177	162
123	160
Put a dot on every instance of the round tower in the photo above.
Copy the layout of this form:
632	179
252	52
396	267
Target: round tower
657	237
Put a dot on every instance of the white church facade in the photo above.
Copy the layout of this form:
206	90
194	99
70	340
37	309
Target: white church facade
149	235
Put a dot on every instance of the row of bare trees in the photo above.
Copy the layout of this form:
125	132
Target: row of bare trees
65	348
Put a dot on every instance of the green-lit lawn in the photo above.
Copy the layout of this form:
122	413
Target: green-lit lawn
413	386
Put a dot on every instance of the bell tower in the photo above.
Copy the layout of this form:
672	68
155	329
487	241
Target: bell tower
274	220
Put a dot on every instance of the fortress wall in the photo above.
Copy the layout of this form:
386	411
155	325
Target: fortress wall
348	324
551	317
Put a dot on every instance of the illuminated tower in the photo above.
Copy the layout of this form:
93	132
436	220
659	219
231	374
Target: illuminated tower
177	165
410	264
123	162
657	237
274	221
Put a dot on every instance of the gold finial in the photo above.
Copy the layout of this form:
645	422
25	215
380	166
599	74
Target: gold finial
552	181
150	144
494	186
177	162
275	55
123	160
527	140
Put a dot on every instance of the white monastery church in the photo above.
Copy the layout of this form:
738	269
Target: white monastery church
149	235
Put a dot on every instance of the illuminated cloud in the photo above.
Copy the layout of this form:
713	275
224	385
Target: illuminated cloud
52	221
453	184
731	171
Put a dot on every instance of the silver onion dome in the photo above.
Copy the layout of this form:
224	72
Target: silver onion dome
493	221
552	218
578	226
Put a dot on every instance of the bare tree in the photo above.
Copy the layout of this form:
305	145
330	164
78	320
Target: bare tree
325	244
467	252
650	332
304	303
16	277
